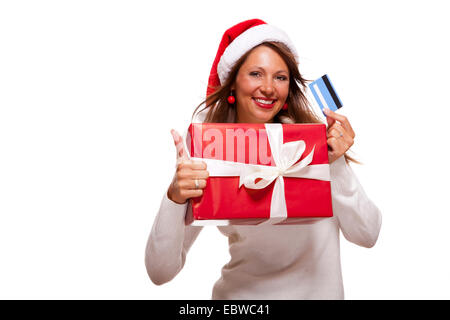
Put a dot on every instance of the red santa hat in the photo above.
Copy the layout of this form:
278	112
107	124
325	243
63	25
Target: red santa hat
236	41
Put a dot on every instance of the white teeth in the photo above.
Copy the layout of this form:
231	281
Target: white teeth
264	101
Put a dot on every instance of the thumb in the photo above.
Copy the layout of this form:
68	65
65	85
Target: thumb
330	121
178	141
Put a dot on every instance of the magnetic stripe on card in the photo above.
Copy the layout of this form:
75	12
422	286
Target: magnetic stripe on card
332	92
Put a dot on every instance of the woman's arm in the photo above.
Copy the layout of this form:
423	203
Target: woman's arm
169	241
358	217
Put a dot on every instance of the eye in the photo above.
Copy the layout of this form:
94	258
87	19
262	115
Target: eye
255	73
282	78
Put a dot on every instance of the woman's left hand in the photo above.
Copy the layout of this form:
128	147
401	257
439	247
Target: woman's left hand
340	134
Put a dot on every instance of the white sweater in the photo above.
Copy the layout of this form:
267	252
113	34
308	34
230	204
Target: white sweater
273	261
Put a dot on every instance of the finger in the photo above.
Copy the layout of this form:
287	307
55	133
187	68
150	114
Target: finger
348	127
335	133
198	165
201	184
192	193
333	144
337	146
337	129
193	174
342	119
330	121
336	116
192	165
189	184
178	141
339	132
333	152
200	174
337	126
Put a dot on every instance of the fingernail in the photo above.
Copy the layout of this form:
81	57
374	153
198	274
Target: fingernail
326	110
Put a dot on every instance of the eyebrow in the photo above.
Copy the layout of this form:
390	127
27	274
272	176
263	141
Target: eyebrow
260	68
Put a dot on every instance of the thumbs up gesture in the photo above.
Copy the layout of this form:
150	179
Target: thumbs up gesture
190	176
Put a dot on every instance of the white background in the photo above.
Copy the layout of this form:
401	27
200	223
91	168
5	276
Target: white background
90	89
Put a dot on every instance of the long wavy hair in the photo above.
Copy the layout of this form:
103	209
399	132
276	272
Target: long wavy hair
299	110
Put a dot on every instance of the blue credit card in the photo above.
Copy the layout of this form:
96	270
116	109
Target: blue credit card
324	93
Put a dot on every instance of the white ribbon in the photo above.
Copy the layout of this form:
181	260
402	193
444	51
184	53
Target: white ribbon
285	156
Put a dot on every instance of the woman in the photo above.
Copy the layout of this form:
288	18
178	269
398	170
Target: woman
255	79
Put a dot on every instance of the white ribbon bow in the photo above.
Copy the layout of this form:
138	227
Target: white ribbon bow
285	156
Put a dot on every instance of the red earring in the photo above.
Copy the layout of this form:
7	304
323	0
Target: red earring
285	106
231	99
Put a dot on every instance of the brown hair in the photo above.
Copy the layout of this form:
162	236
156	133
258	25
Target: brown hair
298	110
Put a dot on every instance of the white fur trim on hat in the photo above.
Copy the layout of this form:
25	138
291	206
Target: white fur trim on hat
248	40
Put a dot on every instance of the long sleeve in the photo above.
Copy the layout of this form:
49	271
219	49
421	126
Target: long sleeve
358	217
169	241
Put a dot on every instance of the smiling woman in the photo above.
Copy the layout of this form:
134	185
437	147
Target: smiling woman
255	79
261	86
265	72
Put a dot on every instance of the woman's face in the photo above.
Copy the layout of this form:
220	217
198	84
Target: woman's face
261	87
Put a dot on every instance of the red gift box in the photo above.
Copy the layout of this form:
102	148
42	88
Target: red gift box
257	172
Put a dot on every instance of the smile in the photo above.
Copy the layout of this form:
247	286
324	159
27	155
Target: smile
264	103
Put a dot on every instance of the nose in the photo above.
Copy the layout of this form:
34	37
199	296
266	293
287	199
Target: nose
267	88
